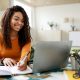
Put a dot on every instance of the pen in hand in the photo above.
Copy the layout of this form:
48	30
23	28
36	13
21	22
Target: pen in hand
21	62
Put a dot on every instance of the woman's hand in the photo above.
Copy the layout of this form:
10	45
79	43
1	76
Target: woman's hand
23	66
9	62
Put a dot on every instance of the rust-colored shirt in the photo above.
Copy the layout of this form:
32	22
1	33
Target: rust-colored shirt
15	52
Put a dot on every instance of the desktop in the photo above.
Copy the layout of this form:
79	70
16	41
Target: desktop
45	76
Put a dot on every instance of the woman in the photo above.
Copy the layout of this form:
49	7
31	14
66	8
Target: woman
15	39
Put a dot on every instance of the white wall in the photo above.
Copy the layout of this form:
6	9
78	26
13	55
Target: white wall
57	14
4	4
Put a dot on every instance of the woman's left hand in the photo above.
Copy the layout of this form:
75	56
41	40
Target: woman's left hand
22	67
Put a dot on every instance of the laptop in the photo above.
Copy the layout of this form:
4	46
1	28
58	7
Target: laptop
51	55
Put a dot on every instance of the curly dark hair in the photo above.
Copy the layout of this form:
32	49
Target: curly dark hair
23	35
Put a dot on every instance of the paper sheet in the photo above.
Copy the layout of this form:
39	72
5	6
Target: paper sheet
13	70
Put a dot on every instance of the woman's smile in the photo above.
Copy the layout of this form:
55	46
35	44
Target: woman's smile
17	21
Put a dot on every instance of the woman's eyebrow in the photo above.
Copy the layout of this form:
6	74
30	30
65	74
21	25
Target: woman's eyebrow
16	16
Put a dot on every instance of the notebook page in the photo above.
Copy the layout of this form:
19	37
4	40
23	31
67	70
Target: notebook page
4	70
14	70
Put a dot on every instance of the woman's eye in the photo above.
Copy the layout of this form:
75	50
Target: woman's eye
16	19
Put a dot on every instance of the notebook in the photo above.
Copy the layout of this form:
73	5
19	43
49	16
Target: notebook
6	70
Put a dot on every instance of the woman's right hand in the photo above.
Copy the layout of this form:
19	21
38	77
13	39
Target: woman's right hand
9	62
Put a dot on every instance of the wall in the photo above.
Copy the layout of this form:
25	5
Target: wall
57	14
4	4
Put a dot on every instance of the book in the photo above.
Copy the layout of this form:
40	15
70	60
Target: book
6	70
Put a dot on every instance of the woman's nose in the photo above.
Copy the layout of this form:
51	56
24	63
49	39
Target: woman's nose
20	23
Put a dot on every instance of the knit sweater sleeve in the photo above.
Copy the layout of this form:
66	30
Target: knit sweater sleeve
0	41
0	49
26	48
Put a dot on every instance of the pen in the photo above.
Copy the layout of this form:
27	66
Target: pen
22	61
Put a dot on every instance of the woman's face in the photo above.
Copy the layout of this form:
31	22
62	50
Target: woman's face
17	21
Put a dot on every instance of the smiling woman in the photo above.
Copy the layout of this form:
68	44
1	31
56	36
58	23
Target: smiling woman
15	38
17	21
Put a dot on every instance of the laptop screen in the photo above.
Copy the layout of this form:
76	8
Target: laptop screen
51	55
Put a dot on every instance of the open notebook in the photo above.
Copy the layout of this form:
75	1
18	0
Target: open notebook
5	70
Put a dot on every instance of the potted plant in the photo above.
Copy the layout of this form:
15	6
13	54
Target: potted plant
73	27
51	24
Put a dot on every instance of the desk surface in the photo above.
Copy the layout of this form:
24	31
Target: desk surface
70	75
31	77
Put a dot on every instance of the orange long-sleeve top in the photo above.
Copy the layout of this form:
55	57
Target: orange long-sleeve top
15	52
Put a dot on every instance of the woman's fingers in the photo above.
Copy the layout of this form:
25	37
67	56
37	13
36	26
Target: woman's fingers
22	67
13	62
9	62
